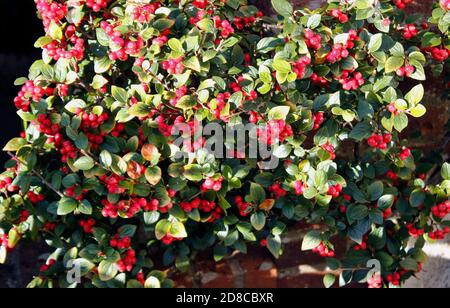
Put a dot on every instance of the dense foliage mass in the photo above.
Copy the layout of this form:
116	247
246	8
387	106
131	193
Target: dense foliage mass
96	172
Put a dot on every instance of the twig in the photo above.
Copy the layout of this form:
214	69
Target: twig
44	181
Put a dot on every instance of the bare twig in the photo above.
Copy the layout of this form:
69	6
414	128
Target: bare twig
44	181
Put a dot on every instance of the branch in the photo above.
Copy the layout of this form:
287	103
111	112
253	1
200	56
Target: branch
44	181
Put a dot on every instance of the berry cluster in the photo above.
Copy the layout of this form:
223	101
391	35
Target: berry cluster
97	5
338	53
350	82
277	191
391	175
336	13
300	66
129	208
438	53
243	207
142	14
226	29
113	184
441	210
35	198
439	235
275	130
29	91
401	4
236	87
445	5
203	205
180	92
254	117
47	266
318	80
91	120
375	282
329	148
127	262
313	40
123	46
4	241
49	226
7	183
211	184
410	31
161	39
50	11
324	251
174	66
120	243
318	119
414	232
335	190
299	188
46	126
61	50
405	153
168	239
406	70
200	4
394	279
220	104
88	225
242	22
363	245
75	192
379	141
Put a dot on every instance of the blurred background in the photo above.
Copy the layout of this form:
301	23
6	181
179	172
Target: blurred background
19	30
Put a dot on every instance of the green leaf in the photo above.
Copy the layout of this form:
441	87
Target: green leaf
85	207
281	66
153	175
193	63
171	227
98	82
445	171
193	173
120	94
15	144
268	44
357	212
257	193
139	110
279	113
274	245
55	31
83	265
74	104
375	42
283	7
361	131
417	198
152	283
418	111
416	95
107	270
84	163
329	280
258	220
375	190
409	264
176	45
400	122
311	240
66	206
394	63
187	102
314	21
386	202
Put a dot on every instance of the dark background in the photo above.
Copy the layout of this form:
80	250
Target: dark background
19	29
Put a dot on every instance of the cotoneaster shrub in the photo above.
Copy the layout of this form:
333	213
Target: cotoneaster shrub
95	172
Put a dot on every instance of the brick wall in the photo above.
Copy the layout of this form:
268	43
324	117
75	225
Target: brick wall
258	269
